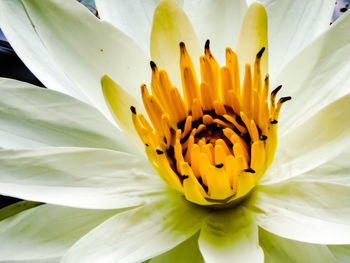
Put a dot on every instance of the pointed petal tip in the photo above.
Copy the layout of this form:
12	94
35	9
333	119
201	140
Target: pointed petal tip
104	80
256	6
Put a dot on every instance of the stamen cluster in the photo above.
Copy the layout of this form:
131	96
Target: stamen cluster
217	142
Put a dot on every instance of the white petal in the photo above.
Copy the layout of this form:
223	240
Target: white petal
187	251
28	46
134	18
311	144
317	76
119	103
141	233
342	253
230	236
309	212
16	208
218	21
88	48
46	232
252	38
34	117
170	27
78	177
334	171
278	249
292	25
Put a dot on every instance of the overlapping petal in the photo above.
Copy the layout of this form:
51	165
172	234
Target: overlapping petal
15	208
223	29
189	248
32	117
317	76
141	233
293	24
230	235
134	18
170	27
78	177
252	38
33	52
319	139
87	48
45	233
278	249
334	171
120	104
309	212
341	253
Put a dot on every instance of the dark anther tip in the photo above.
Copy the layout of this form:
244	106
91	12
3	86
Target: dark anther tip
153	65
146	144
260	53
263	137
182	44
274	92
207	44
220	165
274	122
133	110
249	170
284	99
267	77
159	152
183	176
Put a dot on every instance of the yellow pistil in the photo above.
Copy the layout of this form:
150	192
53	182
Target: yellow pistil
214	145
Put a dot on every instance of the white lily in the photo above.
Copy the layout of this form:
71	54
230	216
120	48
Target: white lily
65	152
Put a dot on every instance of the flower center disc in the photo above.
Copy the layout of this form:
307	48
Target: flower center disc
214	145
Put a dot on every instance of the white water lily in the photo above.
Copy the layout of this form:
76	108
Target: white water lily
105	202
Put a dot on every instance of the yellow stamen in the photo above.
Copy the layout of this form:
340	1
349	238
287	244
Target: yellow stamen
233	66
207	96
188	76
215	144
247	89
197	111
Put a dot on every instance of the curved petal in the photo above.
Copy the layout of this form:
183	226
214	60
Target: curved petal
293	24
35	117
335	171
187	251
134	18
88	48
316	77
139	234
119	103
319	139
218	21
230	236
252	38
46	232
308	212
170	27
342	253
16	208
278	249
23	38
78	177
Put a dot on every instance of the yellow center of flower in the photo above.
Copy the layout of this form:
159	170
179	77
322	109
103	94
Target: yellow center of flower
214	145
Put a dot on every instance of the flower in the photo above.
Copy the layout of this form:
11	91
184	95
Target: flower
105	203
